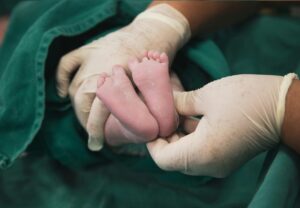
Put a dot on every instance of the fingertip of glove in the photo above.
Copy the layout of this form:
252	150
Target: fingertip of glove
95	144
61	93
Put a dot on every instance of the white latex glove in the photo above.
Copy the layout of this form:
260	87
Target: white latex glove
242	116
161	28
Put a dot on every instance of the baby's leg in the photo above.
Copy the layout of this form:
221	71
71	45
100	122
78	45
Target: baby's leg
152	78
131	120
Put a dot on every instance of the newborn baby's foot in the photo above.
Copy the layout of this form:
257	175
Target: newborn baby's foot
131	120
152	78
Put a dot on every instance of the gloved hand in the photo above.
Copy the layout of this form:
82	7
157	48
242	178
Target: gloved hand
161	28
242	116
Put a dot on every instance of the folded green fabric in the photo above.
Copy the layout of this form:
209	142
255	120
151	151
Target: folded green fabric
34	118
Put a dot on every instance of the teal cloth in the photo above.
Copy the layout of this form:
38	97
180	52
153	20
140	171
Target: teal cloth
34	119
7	6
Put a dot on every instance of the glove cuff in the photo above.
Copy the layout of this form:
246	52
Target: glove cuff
284	87
166	14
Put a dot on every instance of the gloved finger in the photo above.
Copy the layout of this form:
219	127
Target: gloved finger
174	137
95	125
81	77
175	82
188	103
91	68
190	124
184	154
84	98
172	155
67	66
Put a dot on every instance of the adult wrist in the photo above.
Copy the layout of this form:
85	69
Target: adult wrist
290	128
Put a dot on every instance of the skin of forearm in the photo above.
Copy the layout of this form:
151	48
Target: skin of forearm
208	16
291	123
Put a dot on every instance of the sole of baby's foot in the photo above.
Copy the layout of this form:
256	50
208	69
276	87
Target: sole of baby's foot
119	96
117	134
151	76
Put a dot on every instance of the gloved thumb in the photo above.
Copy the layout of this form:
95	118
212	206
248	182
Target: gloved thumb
188	103
67	66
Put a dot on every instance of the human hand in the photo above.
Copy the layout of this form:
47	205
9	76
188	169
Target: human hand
242	116
160	27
